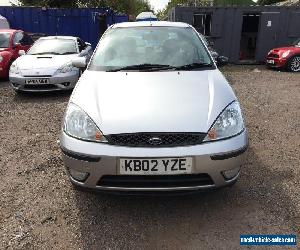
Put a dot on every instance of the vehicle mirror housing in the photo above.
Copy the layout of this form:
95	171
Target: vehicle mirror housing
211	44
21	52
79	62
222	61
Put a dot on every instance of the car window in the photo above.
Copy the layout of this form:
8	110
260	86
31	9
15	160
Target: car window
121	47
4	40
81	44
54	46
27	40
18	38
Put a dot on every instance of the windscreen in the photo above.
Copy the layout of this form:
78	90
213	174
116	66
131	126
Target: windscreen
173	46
4	40
53	46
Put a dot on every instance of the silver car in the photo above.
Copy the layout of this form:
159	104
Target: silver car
47	65
152	112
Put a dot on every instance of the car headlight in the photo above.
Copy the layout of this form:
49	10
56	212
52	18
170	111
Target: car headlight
66	68
229	123
1	59
14	69
79	125
285	54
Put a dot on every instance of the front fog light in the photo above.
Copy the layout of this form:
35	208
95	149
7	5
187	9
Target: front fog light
77	175
229	174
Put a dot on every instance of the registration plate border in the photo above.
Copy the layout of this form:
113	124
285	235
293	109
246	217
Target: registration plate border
37	78
118	169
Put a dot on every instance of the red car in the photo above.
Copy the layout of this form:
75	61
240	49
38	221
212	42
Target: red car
11	42
285	57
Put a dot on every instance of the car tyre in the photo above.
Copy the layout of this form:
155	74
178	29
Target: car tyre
294	64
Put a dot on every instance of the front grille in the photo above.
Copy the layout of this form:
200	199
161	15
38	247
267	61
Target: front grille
156	181
40	86
156	139
273	55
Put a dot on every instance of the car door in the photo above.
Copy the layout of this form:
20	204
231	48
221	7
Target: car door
268	34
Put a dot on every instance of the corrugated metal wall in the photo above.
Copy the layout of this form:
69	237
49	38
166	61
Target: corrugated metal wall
226	27
82	22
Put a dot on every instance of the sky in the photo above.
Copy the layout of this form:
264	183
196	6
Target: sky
4	2
158	4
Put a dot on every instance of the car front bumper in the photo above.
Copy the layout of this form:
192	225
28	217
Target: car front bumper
276	62
100	160
65	81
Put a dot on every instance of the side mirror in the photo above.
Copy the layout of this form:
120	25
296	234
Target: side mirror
211	44
79	62
215	55
222	61
21	52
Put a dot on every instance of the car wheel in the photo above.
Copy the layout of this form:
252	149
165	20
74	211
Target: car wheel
294	64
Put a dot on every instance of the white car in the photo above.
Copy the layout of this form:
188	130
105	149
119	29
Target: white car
47	65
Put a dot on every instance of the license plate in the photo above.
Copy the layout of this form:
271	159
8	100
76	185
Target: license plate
37	81
158	166
270	61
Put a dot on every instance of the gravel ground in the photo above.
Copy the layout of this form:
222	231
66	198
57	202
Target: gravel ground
41	210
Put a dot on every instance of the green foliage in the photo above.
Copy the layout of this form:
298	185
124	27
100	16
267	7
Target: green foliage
50	3
130	7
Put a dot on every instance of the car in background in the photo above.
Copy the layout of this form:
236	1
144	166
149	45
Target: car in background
285	57
11	42
152	114
47	65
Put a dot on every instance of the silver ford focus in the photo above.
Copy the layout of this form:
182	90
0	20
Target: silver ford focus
47	65
152	113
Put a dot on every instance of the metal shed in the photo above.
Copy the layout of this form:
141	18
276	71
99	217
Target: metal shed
243	34
87	23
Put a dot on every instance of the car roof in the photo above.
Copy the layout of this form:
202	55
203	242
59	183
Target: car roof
151	24
58	37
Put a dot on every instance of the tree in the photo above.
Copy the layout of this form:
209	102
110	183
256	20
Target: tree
50	3
130	7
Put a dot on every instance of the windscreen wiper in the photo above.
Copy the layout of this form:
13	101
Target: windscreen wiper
46	53
146	66
193	66
67	53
